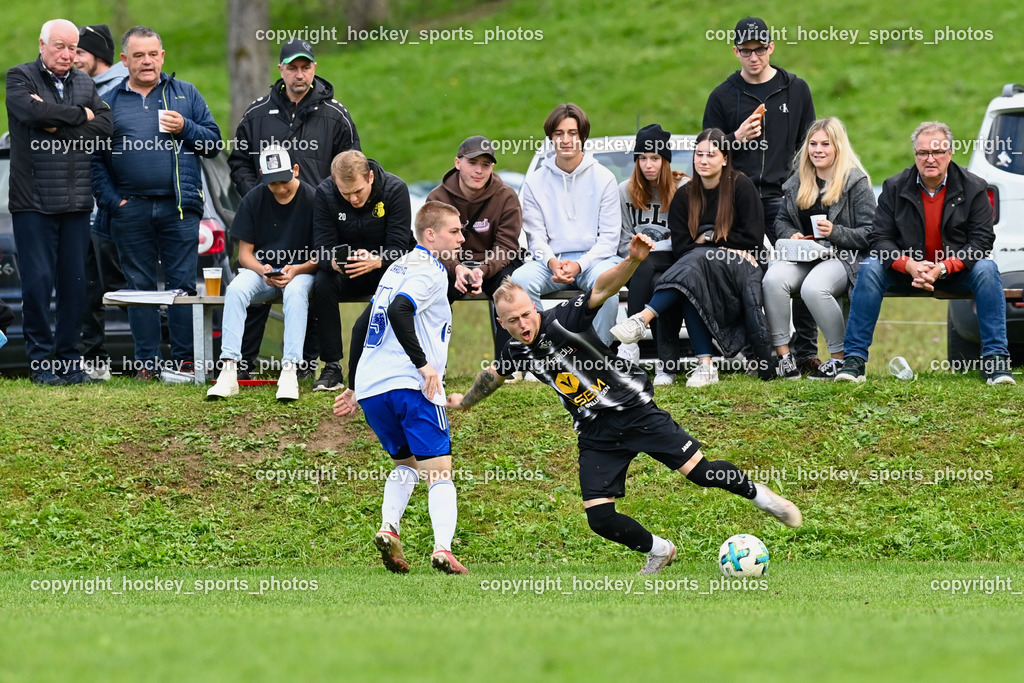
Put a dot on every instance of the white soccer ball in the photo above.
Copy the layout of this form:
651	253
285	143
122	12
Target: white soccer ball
743	555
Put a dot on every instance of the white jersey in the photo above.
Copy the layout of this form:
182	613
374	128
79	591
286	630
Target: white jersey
384	365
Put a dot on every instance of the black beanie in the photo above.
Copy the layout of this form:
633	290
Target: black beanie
97	40
653	139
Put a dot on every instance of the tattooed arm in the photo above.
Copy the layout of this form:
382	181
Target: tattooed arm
485	384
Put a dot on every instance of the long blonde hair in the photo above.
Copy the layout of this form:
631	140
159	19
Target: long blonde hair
845	160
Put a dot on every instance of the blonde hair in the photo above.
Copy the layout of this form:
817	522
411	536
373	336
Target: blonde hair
430	215
507	291
349	166
845	161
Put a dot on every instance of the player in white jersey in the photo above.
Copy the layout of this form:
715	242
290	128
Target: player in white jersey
398	384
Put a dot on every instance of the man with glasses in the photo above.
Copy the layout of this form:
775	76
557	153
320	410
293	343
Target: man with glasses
765	112
932	230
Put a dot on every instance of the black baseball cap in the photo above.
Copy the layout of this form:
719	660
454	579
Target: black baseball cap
296	48
476	146
752	28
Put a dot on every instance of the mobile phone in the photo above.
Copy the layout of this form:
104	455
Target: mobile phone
341	253
276	272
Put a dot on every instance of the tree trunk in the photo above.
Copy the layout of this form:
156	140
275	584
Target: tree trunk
248	58
362	13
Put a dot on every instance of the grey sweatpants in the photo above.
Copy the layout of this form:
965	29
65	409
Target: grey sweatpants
819	283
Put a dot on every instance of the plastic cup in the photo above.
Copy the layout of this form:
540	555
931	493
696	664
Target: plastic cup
900	368
814	224
160	118
212	278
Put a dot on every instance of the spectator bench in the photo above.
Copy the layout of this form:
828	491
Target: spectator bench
203	308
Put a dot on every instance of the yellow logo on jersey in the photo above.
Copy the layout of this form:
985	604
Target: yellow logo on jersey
566	383
378	210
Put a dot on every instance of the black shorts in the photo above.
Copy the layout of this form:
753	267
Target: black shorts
609	443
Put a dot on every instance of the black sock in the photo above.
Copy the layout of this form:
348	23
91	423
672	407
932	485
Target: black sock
722	474
615	526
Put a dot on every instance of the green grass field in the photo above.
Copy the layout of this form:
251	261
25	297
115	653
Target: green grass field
823	620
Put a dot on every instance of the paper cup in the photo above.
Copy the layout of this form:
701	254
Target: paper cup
160	118
814	224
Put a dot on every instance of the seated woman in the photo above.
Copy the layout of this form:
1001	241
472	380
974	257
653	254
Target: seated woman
717	228
829	181
645	198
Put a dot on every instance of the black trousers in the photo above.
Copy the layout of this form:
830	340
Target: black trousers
329	289
103	274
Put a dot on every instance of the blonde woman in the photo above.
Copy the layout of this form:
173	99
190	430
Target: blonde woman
829	181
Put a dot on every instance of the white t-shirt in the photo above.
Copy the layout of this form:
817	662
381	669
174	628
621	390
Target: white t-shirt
384	365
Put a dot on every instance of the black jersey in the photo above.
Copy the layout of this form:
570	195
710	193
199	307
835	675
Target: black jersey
568	356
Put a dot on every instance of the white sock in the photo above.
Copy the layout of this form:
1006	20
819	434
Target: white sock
397	491
661	546
762	499
443	513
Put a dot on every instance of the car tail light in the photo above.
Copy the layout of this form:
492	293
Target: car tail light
993	200
211	236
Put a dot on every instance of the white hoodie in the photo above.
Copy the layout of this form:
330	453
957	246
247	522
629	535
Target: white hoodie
572	212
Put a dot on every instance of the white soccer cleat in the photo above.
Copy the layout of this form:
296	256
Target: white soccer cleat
656	563
631	330
780	508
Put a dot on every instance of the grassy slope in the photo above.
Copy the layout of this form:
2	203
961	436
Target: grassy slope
413	103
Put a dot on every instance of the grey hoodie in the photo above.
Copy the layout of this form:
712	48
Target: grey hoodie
572	212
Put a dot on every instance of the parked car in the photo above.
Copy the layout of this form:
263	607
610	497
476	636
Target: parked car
615	152
998	157
221	202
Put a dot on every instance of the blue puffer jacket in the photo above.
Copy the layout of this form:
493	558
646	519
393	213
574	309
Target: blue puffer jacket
141	148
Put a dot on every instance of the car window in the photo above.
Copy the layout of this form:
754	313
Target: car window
1004	148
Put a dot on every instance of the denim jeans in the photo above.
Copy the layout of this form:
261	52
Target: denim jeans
148	232
875	279
535	278
249	287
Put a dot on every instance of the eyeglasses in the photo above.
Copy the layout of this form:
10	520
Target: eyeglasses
746	51
925	153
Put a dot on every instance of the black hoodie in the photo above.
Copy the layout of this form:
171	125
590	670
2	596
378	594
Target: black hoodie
767	159
314	131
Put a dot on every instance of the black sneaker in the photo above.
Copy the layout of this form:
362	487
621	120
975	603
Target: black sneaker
331	379
76	377
996	370
45	378
786	368
853	370
148	375
307	369
827	370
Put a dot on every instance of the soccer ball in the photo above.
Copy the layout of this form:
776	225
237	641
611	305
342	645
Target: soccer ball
743	555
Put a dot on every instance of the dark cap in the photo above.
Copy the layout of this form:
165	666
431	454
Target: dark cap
97	40
296	48
653	139
275	165
475	146
752	28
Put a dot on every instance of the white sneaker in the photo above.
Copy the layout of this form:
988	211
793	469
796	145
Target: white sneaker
663	379
98	371
227	381
630	352
780	508
631	330
702	375
655	563
288	383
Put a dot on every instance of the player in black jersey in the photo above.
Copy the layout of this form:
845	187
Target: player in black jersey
560	347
